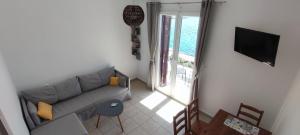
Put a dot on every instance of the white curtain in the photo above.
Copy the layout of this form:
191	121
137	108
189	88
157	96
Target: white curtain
153	10
206	7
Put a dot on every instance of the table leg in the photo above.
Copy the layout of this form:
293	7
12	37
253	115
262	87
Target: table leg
120	123
98	121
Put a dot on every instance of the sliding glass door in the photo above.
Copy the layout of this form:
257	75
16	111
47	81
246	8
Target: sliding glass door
178	35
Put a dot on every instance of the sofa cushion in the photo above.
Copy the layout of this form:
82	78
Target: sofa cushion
27	117
71	105
87	99
106	73
32	110
107	93
90	81
68	88
69	125
45	94
122	82
114	81
45	111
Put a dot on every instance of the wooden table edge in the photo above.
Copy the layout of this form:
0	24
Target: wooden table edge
222	112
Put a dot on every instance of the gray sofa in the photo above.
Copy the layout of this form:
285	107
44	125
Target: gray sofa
67	125
80	95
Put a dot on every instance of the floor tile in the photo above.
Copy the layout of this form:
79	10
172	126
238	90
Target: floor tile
129	125
137	119
138	131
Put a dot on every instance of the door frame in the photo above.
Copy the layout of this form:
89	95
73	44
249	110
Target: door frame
178	26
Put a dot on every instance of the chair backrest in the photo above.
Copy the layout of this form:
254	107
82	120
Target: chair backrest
180	122
246	110
193	112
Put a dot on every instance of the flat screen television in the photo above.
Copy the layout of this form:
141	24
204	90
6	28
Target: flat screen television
257	45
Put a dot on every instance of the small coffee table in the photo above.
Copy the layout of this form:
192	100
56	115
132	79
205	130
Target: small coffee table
105	109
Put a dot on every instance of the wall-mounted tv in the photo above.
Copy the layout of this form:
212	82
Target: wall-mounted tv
257	45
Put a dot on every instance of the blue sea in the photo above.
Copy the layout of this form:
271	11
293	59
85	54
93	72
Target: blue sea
188	37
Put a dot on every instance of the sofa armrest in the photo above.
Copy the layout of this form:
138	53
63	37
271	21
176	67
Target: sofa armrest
127	79
26	115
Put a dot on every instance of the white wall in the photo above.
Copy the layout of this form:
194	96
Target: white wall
9	103
287	122
229	78
143	64
45	41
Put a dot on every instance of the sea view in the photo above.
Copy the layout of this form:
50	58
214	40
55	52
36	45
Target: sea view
188	36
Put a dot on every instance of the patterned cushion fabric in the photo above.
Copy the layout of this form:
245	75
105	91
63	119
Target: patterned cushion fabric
90	81
106	73
32	110
68	88
45	94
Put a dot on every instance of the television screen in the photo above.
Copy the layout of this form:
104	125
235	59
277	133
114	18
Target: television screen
257	45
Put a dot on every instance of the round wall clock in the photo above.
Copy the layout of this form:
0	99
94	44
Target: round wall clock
133	15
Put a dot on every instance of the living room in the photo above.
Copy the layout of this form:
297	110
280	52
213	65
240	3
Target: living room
44	43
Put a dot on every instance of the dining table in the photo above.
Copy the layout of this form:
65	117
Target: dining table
217	126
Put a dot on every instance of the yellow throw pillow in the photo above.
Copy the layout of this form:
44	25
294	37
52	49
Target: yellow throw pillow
44	111
114	81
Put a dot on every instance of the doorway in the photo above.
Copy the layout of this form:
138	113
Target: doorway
178	37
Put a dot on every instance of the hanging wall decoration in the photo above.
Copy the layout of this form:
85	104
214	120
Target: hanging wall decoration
133	16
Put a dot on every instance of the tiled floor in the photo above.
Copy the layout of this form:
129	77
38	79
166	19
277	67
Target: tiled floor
147	113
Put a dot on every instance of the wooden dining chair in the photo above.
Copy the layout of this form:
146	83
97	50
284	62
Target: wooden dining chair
195	125
180	123
249	112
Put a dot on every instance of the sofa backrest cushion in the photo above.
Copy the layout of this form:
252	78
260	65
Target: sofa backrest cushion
32	110
90	81
27	117
122	82
68	88
45	94
106	73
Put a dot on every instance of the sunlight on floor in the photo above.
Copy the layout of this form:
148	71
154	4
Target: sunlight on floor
169	110
181	91
153	100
